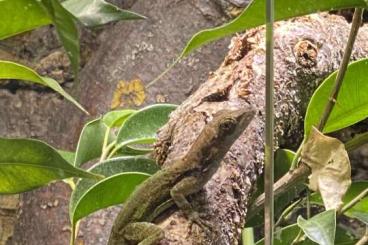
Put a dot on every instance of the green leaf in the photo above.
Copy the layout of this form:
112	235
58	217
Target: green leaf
359	210
20	16
321	228
27	164
283	160
141	127
125	173
248	236
11	70
352	101
66	29
90	142
116	118
287	234
254	15
68	156
98	12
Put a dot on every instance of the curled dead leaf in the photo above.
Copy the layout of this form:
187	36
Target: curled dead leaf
330	165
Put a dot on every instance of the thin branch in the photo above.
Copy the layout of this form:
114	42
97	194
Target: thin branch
357	141
356	23
356	199
364	239
300	174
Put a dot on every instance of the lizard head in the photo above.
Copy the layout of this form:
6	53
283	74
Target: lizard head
231	122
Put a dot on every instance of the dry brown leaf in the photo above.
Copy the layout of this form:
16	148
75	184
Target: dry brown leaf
331	171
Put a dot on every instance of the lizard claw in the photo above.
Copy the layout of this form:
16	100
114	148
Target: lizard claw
196	218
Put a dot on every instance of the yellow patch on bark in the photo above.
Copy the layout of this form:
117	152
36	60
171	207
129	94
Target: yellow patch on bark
128	93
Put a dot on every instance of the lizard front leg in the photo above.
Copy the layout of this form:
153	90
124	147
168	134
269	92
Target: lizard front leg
144	233
186	187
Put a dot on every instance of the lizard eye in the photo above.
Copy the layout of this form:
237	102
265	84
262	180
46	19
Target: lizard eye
228	126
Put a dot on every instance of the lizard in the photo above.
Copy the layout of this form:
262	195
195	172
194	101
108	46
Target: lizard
184	176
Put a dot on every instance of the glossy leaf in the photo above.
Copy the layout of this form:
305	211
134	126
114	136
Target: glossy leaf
11	70
20	16
254	15
27	164
141	127
90	13
321	228
66	29
116	118
98	12
359	210
283	160
68	156
125	173
90	142
352	102
286	235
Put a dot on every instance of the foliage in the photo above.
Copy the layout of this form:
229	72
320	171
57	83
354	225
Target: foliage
352	102
11	70
26	164
63	16
121	139
254	16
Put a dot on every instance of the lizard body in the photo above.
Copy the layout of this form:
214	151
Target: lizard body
182	177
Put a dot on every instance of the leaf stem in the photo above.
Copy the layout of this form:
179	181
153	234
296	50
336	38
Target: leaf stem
298	238
354	201
297	156
163	73
300	174
287	211
357	141
364	239
104	145
356	23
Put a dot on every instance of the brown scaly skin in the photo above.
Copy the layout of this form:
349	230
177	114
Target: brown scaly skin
185	176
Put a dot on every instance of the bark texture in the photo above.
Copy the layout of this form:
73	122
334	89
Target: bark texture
306	50
129	50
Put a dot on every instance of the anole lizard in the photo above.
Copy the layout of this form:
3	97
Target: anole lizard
183	177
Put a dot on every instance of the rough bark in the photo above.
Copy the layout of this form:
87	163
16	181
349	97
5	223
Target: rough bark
307	49
130	50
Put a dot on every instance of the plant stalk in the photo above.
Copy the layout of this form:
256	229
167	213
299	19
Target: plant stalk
299	175
356	23
269	146
355	200
364	239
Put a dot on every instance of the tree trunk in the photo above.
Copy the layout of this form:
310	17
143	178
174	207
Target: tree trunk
306	50
128	50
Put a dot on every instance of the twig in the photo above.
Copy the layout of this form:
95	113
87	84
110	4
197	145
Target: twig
302	171
357	141
354	201
356	23
299	175
364	239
